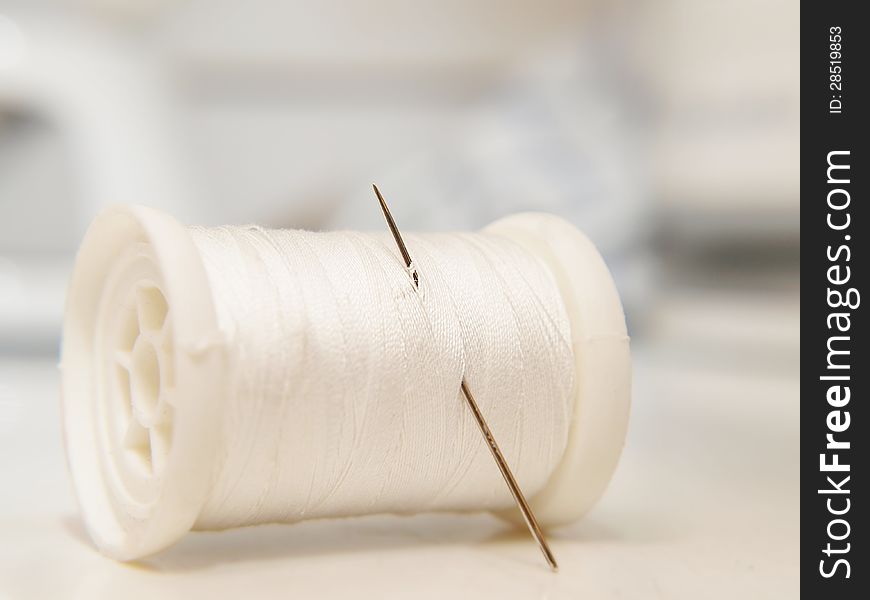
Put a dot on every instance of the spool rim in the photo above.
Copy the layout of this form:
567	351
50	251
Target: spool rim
139	292
602	365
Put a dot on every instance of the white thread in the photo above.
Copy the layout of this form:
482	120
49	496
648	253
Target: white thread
345	378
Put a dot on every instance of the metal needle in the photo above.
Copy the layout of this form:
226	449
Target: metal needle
524	507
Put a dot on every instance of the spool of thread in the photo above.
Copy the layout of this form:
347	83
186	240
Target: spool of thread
220	377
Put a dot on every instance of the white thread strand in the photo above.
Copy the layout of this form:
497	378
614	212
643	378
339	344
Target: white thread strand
345	379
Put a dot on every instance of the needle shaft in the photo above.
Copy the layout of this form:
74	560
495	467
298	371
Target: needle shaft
516	492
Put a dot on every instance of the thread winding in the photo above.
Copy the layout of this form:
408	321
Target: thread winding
345	378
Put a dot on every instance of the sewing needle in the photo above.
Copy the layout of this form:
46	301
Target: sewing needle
524	507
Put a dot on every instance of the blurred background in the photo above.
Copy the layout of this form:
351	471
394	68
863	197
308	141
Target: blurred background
668	131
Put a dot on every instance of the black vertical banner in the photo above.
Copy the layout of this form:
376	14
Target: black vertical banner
835	364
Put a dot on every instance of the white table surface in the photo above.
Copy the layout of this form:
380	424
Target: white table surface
704	505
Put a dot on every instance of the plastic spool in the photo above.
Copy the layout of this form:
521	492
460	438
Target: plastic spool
141	346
